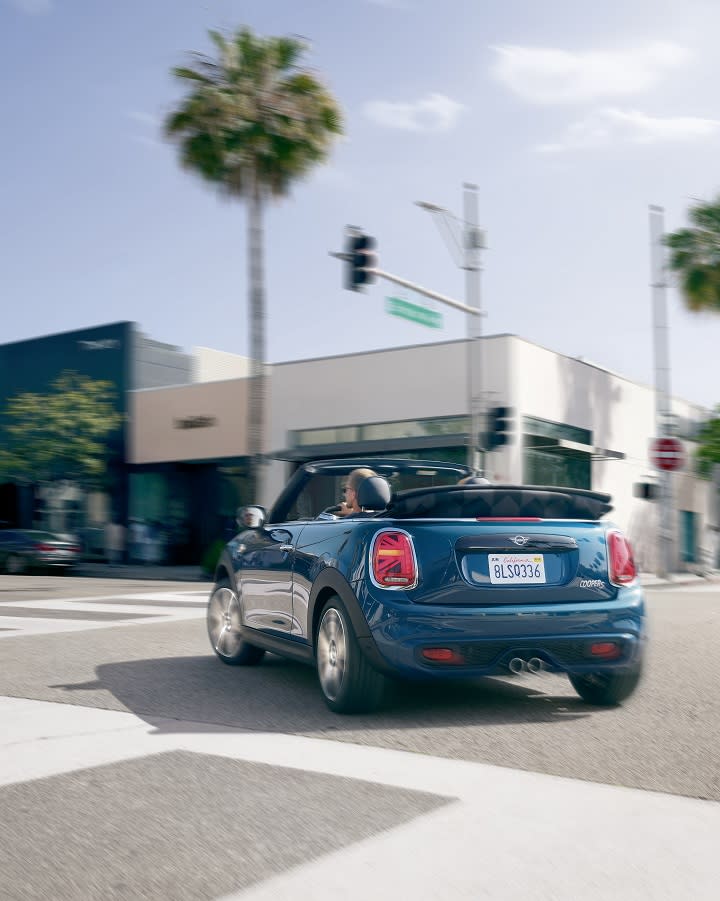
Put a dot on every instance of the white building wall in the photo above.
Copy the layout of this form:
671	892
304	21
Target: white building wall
431	381
419	382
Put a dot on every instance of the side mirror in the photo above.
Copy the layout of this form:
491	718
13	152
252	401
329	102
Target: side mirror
250	517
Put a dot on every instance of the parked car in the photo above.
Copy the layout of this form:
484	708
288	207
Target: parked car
433	580
24	550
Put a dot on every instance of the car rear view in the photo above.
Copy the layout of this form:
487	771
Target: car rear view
503	580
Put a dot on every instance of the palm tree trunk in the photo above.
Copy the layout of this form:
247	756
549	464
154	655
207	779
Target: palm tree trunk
256	315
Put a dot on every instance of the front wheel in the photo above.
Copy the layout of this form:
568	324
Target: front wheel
605	689
349	684
225	629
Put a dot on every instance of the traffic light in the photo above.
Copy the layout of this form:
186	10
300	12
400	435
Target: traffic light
361	256
500	427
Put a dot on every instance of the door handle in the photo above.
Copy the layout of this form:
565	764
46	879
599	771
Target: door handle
286	547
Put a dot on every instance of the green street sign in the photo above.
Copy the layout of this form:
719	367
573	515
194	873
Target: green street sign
413	311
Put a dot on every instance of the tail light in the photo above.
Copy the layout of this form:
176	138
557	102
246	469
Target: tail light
621	565
44	548
392	560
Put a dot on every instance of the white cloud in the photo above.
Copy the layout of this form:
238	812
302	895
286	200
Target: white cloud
434	112
548	75
607	127
32	7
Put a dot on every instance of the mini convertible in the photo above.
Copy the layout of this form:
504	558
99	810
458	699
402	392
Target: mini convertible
432	580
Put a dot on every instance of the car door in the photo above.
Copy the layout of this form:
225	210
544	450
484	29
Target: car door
265	576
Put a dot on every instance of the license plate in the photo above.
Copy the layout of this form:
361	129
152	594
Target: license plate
517	569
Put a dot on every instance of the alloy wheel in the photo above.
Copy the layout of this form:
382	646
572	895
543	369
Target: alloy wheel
225	622
331	653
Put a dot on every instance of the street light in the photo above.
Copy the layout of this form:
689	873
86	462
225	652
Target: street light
465	240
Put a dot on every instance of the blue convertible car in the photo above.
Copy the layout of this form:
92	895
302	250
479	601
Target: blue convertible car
434	580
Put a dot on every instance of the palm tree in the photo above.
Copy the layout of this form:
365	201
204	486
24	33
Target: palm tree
695	256
252	123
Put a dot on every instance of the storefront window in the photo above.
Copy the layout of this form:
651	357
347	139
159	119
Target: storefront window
554	454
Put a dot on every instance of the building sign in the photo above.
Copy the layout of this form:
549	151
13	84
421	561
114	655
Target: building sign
101	344
195	422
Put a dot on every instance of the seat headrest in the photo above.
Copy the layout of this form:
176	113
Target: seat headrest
374	493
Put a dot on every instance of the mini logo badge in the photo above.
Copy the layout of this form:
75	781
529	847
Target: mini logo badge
520	540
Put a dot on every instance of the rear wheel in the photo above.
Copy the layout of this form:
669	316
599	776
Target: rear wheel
349	684
605	689
225	628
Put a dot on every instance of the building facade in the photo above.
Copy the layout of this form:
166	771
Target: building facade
181	460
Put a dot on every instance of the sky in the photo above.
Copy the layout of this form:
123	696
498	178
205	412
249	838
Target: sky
571	117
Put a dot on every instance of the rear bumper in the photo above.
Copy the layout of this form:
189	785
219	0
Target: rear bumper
485	640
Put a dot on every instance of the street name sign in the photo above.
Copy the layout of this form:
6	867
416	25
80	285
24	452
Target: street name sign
413	311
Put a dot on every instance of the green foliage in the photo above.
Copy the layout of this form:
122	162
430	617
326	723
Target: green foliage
695	257
708	454
211	556
61	434
252	117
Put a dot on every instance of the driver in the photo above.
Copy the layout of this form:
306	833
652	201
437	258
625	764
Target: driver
349	504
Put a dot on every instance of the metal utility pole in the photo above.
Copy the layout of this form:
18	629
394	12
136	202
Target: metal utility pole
473	242
465	243
663	412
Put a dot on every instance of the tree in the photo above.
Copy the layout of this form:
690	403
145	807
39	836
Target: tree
708	453
695	257
252	123
61	434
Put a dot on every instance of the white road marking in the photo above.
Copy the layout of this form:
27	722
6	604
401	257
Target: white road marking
137	612
510	834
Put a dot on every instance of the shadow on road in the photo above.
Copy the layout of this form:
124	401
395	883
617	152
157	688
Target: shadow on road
283	696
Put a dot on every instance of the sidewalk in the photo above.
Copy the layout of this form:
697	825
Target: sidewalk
650	580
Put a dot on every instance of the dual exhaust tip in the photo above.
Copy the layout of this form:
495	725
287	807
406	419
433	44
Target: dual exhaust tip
534	665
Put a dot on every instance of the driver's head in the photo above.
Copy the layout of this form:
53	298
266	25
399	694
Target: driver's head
352	484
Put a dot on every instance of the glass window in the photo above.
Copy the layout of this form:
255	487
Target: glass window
379	431
560	466
533	426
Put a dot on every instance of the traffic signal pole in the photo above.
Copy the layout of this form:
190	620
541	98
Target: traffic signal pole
362	270
472	243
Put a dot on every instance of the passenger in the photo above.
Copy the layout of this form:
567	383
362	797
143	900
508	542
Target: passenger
350	504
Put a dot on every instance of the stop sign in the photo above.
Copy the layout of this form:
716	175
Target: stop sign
667	453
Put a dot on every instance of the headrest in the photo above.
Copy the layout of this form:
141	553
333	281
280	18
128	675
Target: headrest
374	493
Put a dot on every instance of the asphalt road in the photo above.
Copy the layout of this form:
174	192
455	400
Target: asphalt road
665	738
161	670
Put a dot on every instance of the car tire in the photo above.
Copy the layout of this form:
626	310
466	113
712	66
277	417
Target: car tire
605	689
348	683
15	565
225	628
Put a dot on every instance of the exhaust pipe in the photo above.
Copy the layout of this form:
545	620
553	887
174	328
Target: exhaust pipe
516	665
535	665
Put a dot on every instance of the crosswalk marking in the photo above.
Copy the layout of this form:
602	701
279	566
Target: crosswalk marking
507	834
43	616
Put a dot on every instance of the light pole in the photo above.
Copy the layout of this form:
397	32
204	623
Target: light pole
465	239
663	414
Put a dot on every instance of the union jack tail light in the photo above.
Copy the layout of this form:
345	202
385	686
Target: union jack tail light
621	565
392	559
